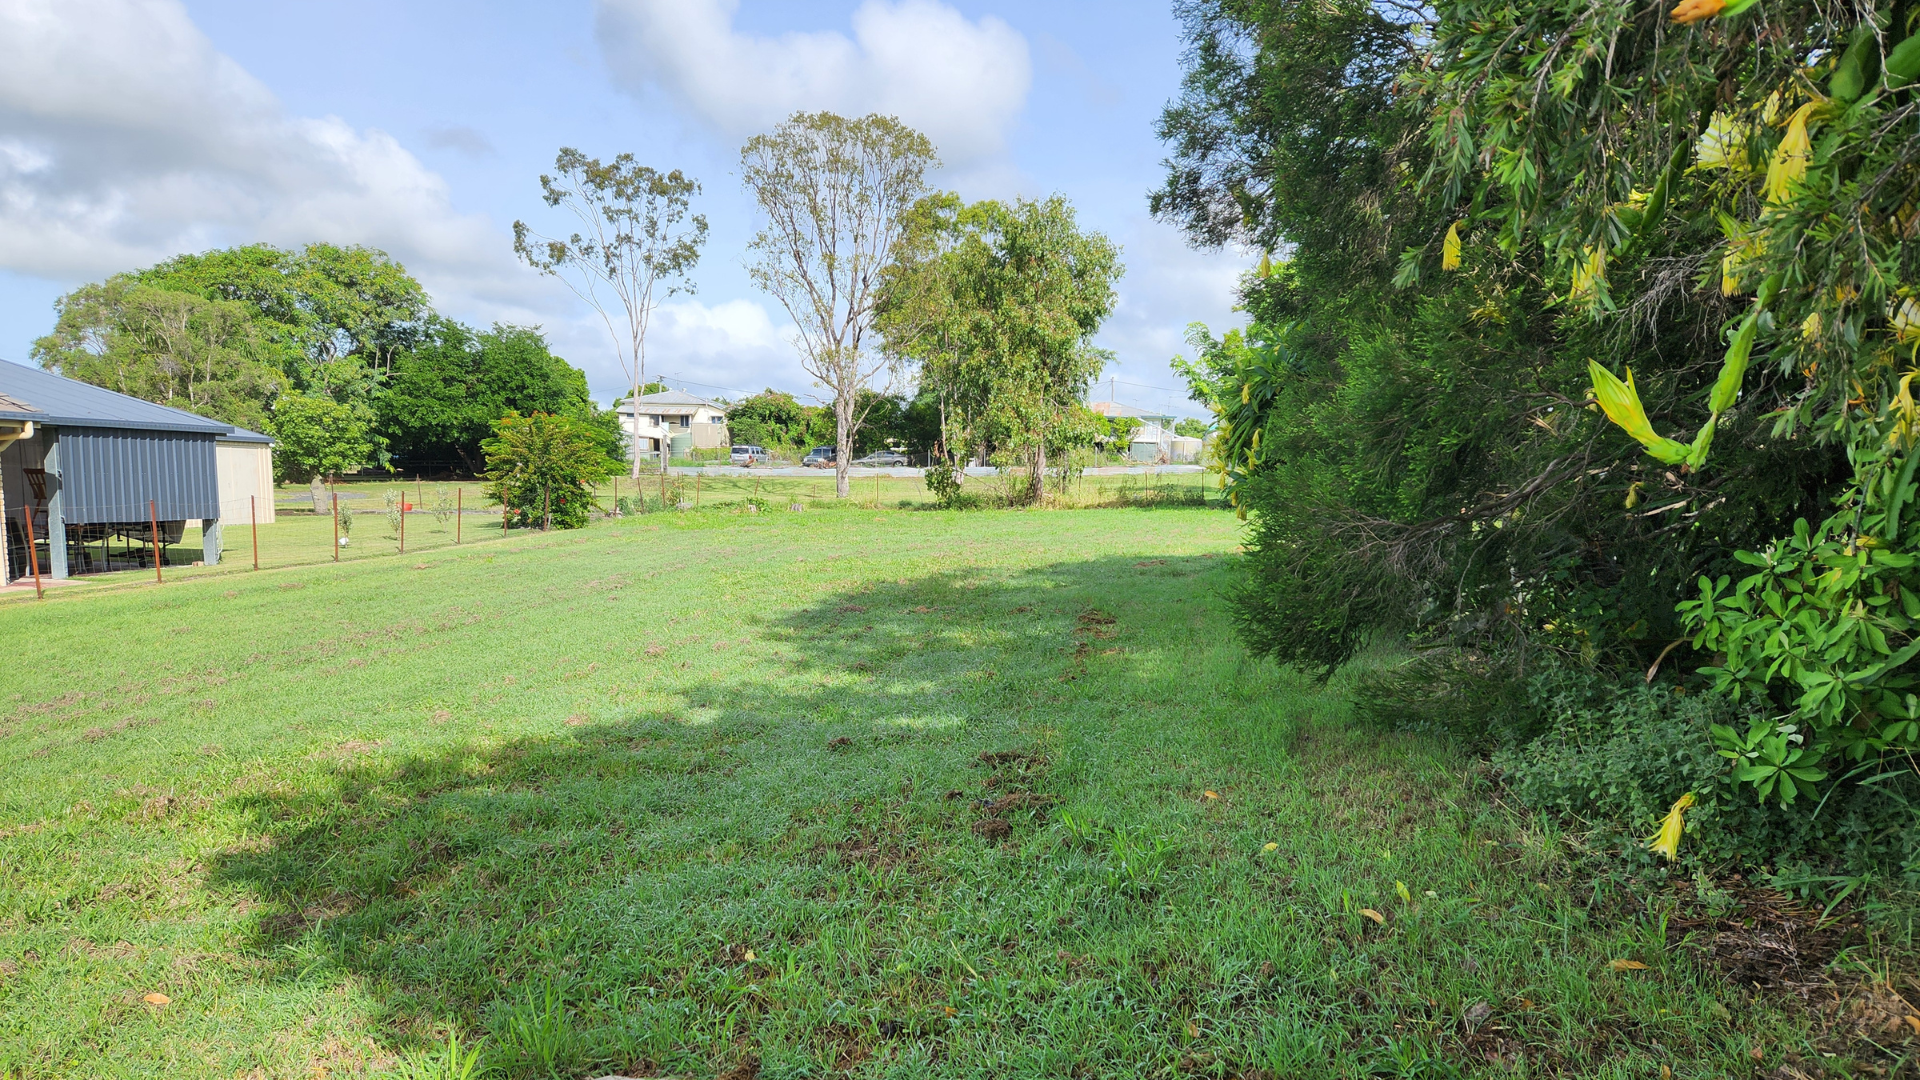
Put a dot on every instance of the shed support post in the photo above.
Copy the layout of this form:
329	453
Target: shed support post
210	541
56	509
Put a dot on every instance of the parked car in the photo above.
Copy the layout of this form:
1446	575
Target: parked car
885	459
749	455
820	457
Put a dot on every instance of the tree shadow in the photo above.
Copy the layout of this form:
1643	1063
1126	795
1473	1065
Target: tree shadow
804	865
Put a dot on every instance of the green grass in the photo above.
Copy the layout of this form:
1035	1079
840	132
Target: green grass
550	793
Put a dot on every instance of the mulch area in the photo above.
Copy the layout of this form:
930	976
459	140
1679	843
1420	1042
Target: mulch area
1771	943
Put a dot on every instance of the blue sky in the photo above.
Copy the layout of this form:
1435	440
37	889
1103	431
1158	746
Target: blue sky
134	129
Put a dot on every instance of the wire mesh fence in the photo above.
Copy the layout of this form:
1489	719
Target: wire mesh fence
360	519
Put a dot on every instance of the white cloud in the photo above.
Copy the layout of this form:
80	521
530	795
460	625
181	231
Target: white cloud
733	347
126	138
962	82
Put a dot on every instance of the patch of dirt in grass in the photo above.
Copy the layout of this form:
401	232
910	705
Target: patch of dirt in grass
292	924
129	723
1768	941
993	828
747	1068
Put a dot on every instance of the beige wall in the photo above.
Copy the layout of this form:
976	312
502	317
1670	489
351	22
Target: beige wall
707	434
246	469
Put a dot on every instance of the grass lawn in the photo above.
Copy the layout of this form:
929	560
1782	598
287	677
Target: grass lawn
893	794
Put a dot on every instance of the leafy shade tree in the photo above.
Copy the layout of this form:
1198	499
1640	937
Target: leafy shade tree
836	195
776	420
999	306
542	469
176	348
337	317
1192	429
638	242
317	438
446	393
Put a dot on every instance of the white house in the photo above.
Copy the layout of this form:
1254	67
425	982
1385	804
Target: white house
1152	439
680	420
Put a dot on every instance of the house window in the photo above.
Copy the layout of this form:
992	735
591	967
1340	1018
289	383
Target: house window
686	421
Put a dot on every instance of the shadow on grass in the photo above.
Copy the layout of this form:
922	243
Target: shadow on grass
1040	823
807	866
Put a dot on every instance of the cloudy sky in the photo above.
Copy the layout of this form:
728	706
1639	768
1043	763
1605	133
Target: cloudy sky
133	130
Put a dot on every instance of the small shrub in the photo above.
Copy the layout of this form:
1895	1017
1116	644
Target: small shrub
1617	755
943	483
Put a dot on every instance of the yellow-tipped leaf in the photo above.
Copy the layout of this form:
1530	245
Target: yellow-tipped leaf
1621	402
1667	841
1789	164
1450	248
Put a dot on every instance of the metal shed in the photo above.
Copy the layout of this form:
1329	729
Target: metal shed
85	464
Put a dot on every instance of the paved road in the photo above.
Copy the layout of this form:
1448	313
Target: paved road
907	472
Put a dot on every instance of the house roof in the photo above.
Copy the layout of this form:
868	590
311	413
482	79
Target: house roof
670	400
52	399
1115	409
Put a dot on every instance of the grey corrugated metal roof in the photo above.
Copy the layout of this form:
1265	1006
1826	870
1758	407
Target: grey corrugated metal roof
55	400
669	398
1115	409
240	434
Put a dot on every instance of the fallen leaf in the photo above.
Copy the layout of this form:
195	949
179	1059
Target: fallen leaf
1193	1032
1374	915
750	957
1626	965
157	999
1211	794
1757	1054
1477	1013
1270	846
1914	1023
1400	887
950	1010
1666	1073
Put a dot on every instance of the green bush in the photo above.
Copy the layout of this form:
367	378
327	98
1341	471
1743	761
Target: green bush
1458	693
543	469
1616	755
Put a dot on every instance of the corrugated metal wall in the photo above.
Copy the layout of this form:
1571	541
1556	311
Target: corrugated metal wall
109	474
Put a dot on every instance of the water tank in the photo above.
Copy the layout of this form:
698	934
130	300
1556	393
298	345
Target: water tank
682	445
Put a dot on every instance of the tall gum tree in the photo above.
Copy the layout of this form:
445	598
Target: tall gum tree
638	242
836	195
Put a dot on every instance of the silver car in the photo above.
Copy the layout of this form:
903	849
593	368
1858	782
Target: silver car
748	455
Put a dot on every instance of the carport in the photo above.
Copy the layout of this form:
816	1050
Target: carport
86	466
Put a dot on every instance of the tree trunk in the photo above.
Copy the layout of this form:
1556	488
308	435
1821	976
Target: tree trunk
318	489
843	444
1037	483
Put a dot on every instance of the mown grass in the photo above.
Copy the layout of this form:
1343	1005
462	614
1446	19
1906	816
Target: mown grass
705	794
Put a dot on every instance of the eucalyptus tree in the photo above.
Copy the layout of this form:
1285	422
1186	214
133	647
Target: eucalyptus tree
836	195
638	242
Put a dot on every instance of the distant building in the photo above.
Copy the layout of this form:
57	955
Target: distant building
1152	439
674	418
